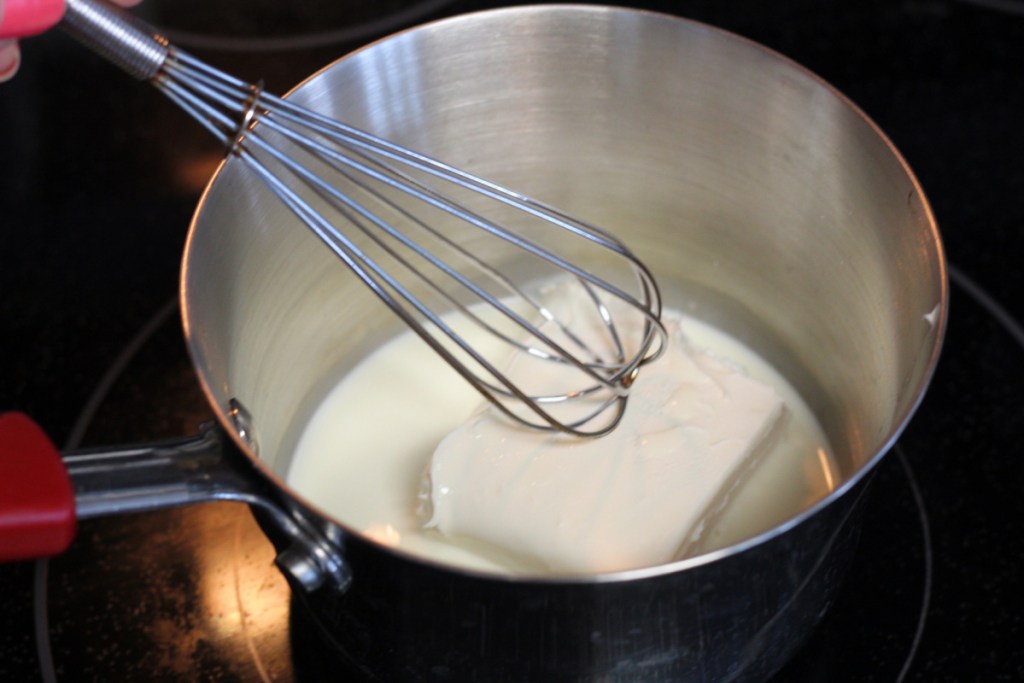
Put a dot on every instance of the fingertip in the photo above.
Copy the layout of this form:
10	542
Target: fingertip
10	59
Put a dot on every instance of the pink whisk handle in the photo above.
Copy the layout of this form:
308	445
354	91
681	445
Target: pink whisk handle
109	31
24	18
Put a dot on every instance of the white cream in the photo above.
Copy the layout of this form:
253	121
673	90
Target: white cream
362	457
637	497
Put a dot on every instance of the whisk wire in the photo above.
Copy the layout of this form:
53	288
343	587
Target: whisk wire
234	94
274	137
343	204
369	271
336	197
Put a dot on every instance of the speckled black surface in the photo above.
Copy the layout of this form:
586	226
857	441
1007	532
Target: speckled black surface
94	205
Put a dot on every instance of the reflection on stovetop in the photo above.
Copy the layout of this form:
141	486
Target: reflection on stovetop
101	176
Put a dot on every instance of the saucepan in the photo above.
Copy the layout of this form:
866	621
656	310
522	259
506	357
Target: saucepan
763	200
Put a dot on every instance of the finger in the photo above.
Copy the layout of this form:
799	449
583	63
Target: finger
10	59
10	53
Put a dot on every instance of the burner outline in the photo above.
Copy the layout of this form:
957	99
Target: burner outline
150	326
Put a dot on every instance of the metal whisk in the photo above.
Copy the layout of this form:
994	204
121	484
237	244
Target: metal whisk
470	266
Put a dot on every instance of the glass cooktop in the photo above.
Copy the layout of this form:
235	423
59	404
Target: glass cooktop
100	179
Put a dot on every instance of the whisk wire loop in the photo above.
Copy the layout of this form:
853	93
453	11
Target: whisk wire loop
326	190
346	249
388	213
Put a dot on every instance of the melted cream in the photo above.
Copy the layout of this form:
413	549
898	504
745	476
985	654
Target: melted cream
678	483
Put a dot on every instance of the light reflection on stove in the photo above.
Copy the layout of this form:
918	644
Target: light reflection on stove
245	599
193	170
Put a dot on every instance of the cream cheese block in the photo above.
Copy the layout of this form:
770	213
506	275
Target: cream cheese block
694	426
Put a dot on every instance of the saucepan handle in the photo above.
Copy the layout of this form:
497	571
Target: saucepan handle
37	501
44	493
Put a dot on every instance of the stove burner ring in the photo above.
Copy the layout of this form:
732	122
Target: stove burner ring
905	477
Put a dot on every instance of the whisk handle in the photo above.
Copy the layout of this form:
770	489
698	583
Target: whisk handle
113	33
118	36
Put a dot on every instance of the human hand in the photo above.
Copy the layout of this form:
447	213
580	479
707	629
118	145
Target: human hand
29	17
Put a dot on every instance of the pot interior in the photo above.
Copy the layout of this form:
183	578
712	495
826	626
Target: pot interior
762	200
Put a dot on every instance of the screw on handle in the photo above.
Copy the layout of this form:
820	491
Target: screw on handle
118	36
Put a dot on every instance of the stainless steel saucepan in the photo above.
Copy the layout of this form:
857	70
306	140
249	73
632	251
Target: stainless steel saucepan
763	200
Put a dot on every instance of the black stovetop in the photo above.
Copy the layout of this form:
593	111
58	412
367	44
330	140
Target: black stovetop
99	180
